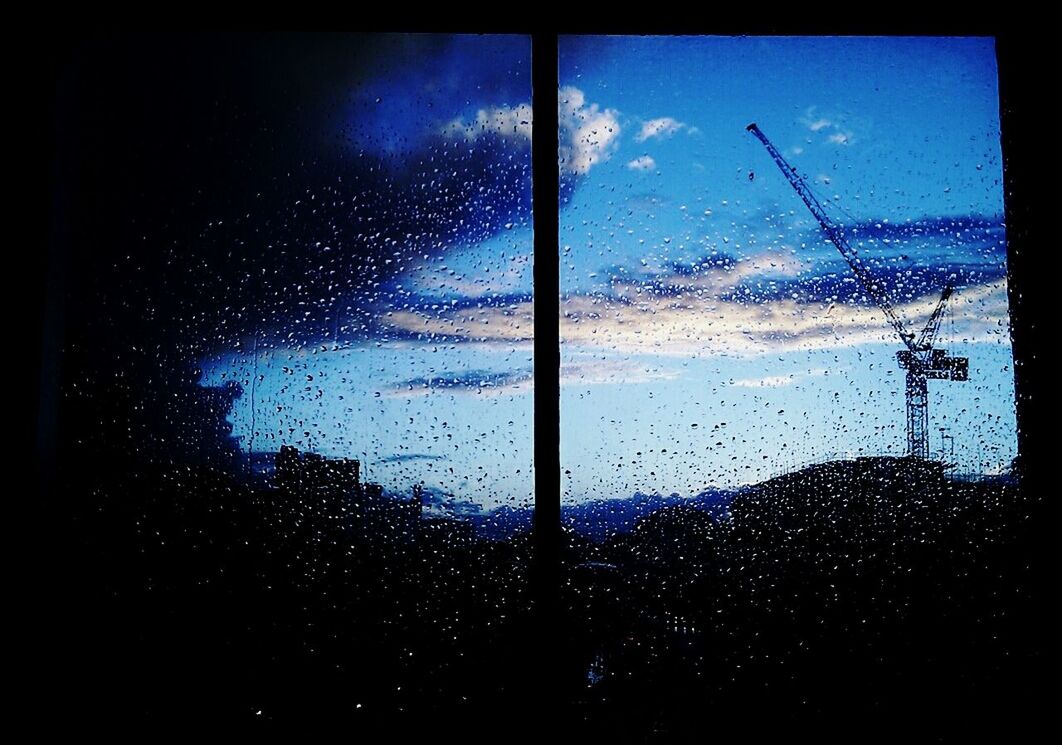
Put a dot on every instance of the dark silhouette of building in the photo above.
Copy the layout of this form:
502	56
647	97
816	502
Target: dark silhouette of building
297	471
331	489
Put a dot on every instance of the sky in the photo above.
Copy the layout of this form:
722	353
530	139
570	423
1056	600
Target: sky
711	336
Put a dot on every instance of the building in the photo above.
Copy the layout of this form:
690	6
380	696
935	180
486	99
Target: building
331	489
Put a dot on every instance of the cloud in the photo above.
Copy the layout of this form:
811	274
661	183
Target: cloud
771	381
588	134
512	382
328	256
483	382
461	277
607	372
835	131
962	228
409	457
700	323
773	301
703	319
642	163
514	122
494	321
909	259
664	126
777	381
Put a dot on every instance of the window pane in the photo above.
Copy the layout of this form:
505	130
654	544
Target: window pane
746	524
297	372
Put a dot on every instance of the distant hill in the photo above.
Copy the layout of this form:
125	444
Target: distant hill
830	491
600	518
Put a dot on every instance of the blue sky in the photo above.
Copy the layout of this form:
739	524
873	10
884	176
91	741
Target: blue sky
710	336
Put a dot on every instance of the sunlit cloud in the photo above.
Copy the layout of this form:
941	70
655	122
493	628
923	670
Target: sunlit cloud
770	381
503	121
642	163
664	126
698	322
835	130
777	381
485	323
588	134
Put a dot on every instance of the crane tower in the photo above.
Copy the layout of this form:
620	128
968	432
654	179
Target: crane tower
920	359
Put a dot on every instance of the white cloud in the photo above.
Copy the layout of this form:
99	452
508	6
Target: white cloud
664	126
588	134
771	381
777	381
832	127
696	321
502	120
512	323
605	372
642	163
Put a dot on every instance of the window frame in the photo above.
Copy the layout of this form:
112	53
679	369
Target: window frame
1027	288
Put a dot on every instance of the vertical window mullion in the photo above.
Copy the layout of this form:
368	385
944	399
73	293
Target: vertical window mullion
545	187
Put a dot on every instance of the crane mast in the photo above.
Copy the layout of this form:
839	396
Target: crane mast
920	359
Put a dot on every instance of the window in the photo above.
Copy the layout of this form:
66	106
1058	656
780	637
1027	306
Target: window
335	439
787	409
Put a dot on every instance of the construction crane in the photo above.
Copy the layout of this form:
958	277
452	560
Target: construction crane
920	359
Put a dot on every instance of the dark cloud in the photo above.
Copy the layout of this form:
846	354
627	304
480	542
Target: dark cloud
902	285
320	267
466	381
410	457
228	185
418	79
964	229
214	188
910	260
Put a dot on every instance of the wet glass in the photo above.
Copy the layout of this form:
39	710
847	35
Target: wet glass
290	325
787	375
295	427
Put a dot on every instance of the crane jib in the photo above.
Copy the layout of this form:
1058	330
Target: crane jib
836	236
921	360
